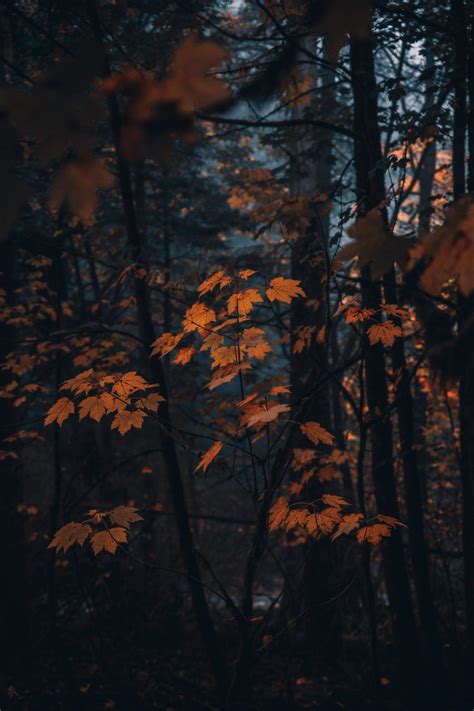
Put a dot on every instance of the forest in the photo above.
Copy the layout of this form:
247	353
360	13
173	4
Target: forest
236	371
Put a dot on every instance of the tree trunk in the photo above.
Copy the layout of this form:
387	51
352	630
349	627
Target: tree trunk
370	191
147	334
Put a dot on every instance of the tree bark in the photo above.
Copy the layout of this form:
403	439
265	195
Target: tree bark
371	193
147	334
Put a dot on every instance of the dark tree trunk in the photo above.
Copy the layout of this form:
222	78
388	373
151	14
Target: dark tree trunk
170	456
371	193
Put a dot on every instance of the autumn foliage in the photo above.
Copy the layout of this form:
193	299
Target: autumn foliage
236	336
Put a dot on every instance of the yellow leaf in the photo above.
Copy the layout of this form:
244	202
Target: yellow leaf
108	540
60	411
209	456
69	534
316	433
124	516
125	420
284	290
385	332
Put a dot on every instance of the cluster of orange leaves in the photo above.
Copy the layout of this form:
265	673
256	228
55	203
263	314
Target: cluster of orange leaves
123	396
326	516
220	324
113	525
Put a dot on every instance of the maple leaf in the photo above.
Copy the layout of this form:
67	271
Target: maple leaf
327	473
284	290
184	355
188	82
268	412
246	273
77	183
334	500
278	513
209	456
92	407
373	534
449	250
150	402
348	523
243	301
296	517
373	245
129	383
165	343
385	332
108	540
323	521
258	350
280	390
390	520
224	355
302	457
303	338
198	317
217	279
394	310
354	314
125	420
316	433
60	411
69	534
226	374
124	515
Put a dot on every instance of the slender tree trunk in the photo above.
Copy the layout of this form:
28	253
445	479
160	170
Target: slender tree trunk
147	333
466	329
428	168
370	190
14	618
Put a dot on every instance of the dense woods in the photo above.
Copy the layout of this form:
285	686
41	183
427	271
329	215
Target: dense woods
236	337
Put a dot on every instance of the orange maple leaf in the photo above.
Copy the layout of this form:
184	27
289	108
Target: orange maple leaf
125	420
60	411
92	407
243	301
124	515
373	534
198	317
108	540
385	332
316	433
69	534
284	290
209	456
